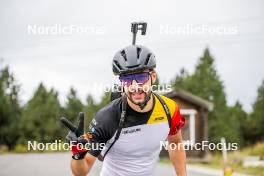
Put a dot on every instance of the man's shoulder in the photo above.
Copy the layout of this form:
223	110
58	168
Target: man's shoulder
172	105
112	106
110	111
106	120
167	100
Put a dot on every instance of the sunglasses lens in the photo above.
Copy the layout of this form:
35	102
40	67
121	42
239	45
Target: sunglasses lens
126	80
142	78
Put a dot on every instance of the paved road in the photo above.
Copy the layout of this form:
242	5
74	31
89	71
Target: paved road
58	164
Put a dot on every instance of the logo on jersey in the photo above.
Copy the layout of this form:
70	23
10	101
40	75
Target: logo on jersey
159	118
134	130
92	126
94	122
93	130
87	136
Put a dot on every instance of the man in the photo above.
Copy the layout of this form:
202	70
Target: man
145	125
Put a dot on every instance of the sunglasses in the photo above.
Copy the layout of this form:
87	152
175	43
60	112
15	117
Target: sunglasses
140	78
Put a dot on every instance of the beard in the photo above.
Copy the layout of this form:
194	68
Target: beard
139	97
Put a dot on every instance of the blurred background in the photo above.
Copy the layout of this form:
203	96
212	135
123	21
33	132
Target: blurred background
55	60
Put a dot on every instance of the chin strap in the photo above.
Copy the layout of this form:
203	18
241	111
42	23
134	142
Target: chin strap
143	105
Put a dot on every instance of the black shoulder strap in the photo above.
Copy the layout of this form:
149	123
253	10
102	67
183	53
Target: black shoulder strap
121	123
165	107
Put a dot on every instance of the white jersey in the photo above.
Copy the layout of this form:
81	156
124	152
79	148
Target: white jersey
137	150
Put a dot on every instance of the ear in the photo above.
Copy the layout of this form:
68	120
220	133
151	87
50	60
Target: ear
153	76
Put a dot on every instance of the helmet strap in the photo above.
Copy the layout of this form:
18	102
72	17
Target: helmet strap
144	104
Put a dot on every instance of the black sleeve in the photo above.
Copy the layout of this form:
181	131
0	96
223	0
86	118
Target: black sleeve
102	128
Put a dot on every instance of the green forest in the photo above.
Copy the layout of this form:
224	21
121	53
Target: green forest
38	118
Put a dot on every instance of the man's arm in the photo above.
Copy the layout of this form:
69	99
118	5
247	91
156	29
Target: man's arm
83	166
101	129
177	156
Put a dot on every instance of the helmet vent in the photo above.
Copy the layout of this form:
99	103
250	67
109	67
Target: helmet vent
118	65
123	53
147	59
138	52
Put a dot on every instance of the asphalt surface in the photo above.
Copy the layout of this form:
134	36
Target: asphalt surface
58	164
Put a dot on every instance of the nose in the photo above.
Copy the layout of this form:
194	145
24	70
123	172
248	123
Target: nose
134	83
134	86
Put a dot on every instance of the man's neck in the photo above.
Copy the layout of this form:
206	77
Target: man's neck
147	108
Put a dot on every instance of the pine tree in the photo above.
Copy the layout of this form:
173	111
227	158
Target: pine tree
206	83
182	80
10	109
256	121
41	116
73	105
238	121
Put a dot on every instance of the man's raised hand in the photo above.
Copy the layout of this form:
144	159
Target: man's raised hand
75	136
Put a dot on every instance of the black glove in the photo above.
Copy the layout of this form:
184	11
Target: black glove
75	136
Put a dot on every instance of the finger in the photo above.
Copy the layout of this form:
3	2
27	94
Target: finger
71	137
81	123
68	124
